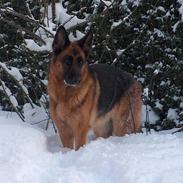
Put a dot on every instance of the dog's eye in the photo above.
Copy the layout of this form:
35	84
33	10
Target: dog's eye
80	61
68	61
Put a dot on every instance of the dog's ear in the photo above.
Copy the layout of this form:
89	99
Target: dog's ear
86	42
61	40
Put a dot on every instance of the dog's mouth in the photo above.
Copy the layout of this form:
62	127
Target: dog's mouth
72	83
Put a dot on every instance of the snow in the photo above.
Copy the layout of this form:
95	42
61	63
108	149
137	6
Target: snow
181	105
29	154
120	52
116	24
17	76
159	33
78	35
161	8
8	93
148	115
148	66
148	111
146	92
172	115
32	45
37	113
158	105
181	8
156	71
13	71
107	3
175	26
135	2
66	19
124	3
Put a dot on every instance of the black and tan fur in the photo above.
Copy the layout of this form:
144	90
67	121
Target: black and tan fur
98	96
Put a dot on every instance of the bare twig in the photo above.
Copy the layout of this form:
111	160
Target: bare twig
179	130
28	10
37	122
69	19
53	11
17	82
82	24
14	107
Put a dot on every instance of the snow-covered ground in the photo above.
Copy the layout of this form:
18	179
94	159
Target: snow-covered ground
31	155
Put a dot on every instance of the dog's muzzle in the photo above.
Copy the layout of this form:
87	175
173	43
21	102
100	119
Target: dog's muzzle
72	81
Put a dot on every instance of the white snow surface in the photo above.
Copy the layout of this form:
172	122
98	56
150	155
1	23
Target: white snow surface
181	8
28	155
148	115
173	115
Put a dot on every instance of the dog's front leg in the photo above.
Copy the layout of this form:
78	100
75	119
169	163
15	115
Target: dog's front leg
64	131
66	135
80	135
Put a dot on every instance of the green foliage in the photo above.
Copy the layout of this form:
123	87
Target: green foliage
140	38
32	65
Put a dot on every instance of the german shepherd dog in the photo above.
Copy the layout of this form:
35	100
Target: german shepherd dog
83	97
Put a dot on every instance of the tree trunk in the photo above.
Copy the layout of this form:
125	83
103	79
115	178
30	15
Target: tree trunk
53	11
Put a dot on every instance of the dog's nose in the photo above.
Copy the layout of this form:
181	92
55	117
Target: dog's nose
72	80
75	80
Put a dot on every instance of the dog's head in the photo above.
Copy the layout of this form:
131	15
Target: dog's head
70	57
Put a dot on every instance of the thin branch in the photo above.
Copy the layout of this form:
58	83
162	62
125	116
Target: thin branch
82	24
26	18
179	130
53	11
17	82
90	19
28	10
69	19
37	122
14	107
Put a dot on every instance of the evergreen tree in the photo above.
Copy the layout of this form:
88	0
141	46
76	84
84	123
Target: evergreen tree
142	37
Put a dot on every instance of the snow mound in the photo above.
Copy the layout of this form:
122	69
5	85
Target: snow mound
25	158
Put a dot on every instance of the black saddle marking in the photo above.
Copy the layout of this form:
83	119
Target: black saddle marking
113	85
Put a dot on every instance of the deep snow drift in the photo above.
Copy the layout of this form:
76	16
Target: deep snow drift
27	155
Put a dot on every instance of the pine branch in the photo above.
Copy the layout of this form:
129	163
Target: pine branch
26	18
28	10
17	82
14	107
20	28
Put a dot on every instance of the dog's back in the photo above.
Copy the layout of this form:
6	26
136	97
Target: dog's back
113	85
119	101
